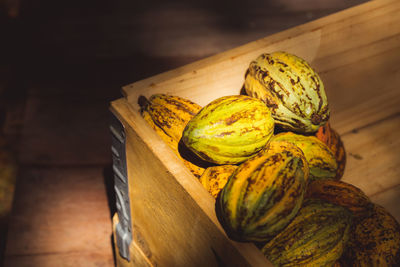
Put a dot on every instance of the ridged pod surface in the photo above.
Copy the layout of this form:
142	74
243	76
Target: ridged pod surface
375	241
214	178
317	236
185	108
291	89
168	116
170	113
340	193
320	158
332	139
229	130
264	193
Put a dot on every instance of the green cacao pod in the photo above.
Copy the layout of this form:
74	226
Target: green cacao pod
214	178
291	89
229	130
317	236
375	241
340	193
321	160
263	194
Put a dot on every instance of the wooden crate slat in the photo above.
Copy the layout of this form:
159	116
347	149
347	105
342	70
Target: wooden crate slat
373	162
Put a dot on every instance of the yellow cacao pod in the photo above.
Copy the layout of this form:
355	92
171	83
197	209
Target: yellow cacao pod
263	194
320	158
291	89
229	130
170	113
332	139
168	116
375	241
317	236
214	178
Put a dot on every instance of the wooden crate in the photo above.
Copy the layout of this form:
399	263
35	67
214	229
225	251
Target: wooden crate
357	54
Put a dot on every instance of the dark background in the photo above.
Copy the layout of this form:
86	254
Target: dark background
61	63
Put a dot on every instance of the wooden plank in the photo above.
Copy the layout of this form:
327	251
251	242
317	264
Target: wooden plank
364	38
390	200
60	215
365	91
373	162
69	259
170	209
137	256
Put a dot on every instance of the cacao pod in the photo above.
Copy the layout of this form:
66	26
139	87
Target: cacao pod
264	193
229	130
340	193
332	139
168	116
185	108
317	236
320	158
291	89
375	241
170	113
214	178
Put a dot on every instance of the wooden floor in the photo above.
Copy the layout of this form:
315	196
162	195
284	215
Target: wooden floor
61	64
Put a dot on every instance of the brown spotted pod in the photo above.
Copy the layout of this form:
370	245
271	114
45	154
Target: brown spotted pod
264	193
321	160
332	139
375	241
229	130
317	236
214	178
340	193
168	115
291	89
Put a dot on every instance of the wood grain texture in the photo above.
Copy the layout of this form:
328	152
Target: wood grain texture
68	259
54	232
389	199
137	256
373	161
